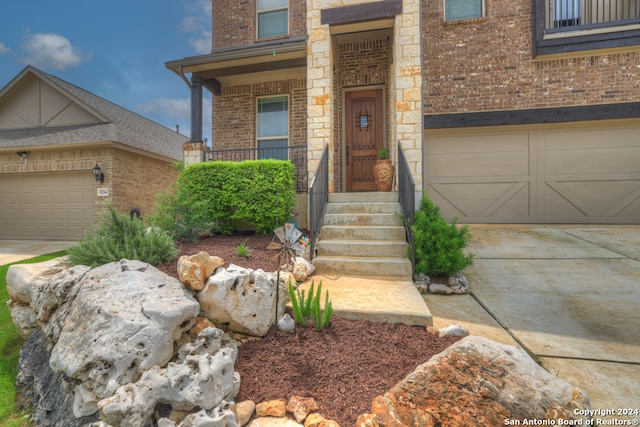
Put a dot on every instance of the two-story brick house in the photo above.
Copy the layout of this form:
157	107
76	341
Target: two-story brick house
512	111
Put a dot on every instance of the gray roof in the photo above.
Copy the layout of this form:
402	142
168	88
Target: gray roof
117	124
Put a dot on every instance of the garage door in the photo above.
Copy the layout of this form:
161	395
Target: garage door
46	206
536	175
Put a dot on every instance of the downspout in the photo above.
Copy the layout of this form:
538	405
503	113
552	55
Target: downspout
180	72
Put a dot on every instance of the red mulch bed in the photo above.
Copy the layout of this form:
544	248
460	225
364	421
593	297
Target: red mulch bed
343	367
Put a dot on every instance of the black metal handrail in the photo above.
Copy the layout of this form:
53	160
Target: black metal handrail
296	154
318	198
407	198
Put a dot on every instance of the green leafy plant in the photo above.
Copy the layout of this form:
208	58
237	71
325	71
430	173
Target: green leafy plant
439	245
243	250
307	308
383	154
218	196
120	237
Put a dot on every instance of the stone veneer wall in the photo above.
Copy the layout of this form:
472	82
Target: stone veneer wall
405	87
234	113
485	64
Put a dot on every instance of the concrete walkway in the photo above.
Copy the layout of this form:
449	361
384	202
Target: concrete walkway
18	250
568	294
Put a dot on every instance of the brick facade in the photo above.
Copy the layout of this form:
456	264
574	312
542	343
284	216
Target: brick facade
234	113
234	22
132	180
363	63
486	64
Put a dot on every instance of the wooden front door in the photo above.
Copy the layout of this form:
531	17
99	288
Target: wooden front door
364	134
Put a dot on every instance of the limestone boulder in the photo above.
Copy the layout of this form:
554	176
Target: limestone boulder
23	317
201	377
25	281
124	320
477	382
244	300
300	407
220	416
194	270
302	269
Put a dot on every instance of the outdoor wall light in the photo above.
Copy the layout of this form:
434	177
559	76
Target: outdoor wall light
24	155
97	173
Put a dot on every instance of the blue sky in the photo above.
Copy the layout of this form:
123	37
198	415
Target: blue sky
115	49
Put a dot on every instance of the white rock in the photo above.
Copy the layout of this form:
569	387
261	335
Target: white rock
286	324
274	422
202	376
25	281
243	299
302	269
23	317
453	331
125	319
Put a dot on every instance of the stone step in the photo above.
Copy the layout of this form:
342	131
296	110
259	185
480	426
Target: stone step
363	248
362	219
363	266
372	197
365	232
363	208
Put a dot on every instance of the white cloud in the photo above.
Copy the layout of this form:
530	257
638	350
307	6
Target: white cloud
198	22
173	108
52	51
4	49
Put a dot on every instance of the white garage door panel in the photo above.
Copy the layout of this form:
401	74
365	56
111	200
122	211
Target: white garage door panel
537	176
46	206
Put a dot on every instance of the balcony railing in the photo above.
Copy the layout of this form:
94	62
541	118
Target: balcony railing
295	154
570	15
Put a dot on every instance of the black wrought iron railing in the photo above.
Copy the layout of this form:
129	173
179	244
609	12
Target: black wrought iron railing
295	154
318	198
567	15
407	198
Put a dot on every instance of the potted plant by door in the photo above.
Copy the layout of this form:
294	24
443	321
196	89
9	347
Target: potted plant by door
383	171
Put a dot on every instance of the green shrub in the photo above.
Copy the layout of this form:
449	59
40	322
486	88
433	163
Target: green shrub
219	195
120	237
308	308
439	245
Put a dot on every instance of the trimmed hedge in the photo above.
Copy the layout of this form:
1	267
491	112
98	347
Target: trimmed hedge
219	195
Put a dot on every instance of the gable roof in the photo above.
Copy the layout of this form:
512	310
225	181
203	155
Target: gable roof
99	120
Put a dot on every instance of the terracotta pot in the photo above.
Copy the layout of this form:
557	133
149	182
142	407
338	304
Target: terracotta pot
383	175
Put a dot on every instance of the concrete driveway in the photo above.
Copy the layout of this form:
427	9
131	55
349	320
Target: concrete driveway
17	250
568	294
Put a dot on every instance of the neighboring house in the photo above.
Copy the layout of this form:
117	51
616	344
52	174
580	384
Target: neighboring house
52	135
508	111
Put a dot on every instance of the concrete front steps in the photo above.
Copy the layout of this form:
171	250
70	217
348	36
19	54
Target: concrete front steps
362	235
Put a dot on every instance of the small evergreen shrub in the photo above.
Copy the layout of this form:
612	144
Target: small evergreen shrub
439	245
120	237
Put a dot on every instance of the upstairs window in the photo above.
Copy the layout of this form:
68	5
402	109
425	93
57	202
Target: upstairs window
457	10
273	127
273	18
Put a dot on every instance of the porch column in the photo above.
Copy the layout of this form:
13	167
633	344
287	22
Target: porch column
319	91
406	89
196	109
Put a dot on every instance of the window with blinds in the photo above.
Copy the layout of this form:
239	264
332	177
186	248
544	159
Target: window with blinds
273	18
456	10
273	127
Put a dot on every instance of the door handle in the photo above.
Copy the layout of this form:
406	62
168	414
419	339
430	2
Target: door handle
348	153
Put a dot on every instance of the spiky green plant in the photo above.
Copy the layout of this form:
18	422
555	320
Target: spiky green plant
242	250
308	307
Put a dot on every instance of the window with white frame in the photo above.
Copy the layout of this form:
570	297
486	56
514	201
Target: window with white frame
273	127
457	10
273	18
